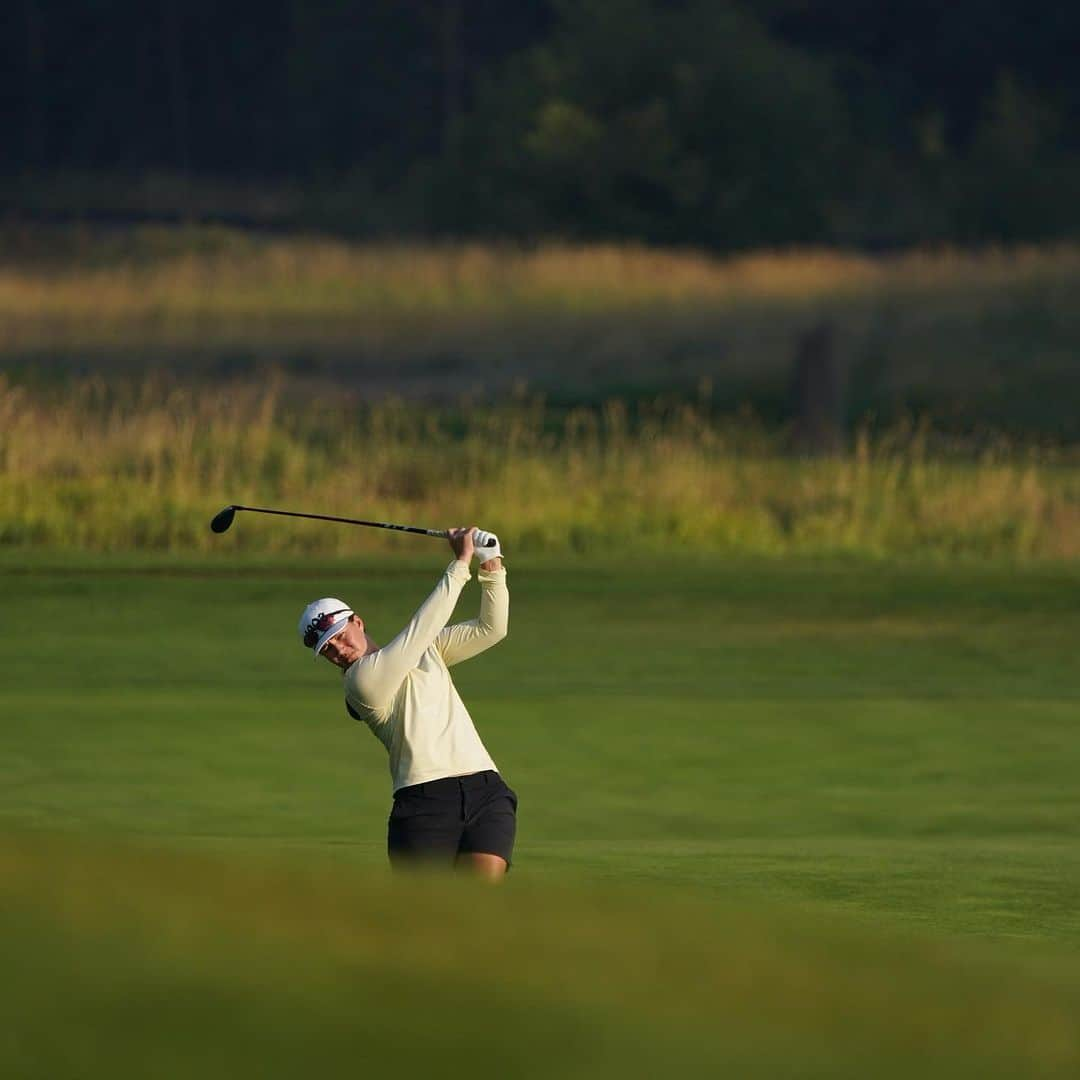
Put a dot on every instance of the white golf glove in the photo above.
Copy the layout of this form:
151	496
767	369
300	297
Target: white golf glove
483	552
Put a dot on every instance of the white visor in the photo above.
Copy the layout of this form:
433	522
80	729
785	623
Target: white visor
318	608
332	632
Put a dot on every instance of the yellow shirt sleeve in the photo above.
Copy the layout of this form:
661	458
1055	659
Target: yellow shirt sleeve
376	678
464	640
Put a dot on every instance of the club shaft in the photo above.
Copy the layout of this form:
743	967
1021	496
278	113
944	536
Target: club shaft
346	521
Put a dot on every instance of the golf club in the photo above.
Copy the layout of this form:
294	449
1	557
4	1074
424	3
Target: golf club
221	522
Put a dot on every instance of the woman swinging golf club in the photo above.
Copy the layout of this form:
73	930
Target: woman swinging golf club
450	804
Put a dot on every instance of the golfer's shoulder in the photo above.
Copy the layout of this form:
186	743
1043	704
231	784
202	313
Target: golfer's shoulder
363	693
375	680
358	675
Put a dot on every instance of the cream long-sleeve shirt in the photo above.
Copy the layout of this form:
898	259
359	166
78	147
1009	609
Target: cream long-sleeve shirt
404	691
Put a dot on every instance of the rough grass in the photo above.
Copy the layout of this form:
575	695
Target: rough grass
990	335
174	278
110	466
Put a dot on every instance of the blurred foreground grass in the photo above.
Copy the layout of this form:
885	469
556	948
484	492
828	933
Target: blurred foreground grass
124	962
112	465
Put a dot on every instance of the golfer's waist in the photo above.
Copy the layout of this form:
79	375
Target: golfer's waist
442	784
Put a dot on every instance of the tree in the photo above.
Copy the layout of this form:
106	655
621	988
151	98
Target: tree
679	123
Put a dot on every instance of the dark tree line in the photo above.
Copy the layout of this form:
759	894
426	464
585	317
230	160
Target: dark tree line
687	121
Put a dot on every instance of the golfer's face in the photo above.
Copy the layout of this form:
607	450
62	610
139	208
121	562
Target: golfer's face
342	649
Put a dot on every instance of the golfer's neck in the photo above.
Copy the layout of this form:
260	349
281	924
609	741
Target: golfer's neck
369	647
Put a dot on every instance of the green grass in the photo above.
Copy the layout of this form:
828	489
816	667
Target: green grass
804	819
894	742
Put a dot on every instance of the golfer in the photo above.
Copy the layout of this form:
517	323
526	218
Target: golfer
451	806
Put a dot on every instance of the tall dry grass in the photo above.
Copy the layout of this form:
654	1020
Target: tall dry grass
173	287
990	336
110	466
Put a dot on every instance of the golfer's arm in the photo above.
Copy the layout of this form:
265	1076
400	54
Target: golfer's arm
376	678
467	639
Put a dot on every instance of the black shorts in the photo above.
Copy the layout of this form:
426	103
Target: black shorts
436	821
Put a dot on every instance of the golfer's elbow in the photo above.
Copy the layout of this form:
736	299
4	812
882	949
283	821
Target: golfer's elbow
494	620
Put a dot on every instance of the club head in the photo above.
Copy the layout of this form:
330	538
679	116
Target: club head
223	520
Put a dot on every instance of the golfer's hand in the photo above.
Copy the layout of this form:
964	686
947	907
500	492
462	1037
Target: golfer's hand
461	543
486	551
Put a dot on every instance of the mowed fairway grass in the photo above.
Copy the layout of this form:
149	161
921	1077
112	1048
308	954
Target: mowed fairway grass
789	819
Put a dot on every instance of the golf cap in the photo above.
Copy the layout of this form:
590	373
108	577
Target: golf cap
322	620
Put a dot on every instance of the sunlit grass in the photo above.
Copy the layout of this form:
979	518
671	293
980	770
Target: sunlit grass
176	286
112	466
972	337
